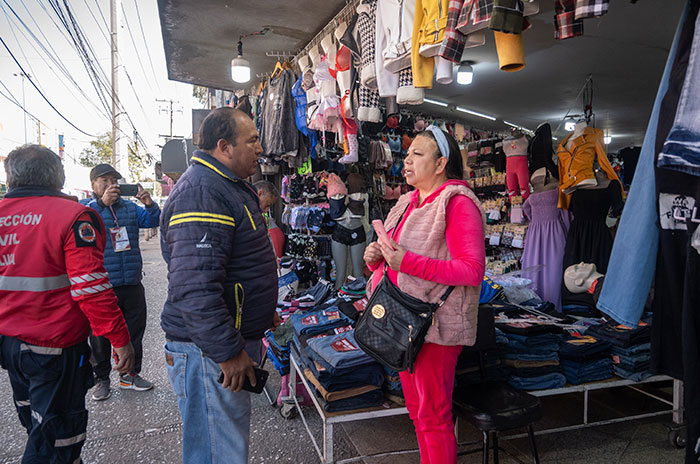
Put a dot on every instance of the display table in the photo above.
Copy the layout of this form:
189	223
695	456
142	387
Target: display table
325	451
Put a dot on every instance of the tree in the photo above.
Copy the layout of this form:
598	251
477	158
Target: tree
201	94
100	151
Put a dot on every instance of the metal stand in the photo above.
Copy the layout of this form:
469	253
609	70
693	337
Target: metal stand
325	451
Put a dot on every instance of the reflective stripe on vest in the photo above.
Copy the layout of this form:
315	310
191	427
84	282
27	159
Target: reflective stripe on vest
33	284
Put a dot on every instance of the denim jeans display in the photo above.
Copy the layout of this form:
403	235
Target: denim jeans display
633	259
619	335
366	400
316	322
681	151
587	371
633	363
339	351
541	382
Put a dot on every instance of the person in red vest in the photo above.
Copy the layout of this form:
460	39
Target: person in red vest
269	196
53	290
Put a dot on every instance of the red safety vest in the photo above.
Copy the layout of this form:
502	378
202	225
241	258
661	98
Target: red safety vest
53	285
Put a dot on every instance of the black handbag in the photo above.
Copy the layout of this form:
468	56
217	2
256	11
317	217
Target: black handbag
393	326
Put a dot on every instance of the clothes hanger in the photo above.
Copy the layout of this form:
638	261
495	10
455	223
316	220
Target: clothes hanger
278	67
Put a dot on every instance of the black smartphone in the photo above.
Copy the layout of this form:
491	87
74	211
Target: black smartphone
128	190
261	376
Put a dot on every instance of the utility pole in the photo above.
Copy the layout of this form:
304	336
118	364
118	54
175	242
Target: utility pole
171	113
22	75
114	26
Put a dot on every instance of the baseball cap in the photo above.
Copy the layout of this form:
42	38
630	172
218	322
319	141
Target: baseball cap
102	170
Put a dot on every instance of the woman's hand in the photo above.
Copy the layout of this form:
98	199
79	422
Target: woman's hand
393	255
373	254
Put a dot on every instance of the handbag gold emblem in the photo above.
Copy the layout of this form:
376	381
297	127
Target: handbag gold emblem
378	311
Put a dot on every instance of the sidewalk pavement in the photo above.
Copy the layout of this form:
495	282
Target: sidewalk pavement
145	427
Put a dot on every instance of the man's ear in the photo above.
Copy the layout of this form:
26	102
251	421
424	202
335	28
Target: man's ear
579	282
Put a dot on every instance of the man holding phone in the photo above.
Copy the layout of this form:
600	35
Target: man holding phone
123	262
222	289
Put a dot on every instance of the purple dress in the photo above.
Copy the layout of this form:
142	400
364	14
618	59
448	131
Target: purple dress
544	244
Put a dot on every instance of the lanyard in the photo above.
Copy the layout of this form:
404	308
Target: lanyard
114	216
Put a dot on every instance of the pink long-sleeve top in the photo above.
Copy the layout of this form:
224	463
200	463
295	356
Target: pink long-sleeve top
464	233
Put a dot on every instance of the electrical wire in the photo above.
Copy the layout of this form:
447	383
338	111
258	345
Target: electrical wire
99	26
148	51
138	55
52	56
41	93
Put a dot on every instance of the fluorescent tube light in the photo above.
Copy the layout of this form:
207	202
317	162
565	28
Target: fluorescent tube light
481	115
435	102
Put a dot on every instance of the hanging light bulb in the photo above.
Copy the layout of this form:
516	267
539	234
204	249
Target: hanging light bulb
607	139
569	126
465	73
240	68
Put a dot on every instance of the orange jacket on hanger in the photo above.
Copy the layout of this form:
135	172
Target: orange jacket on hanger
577	165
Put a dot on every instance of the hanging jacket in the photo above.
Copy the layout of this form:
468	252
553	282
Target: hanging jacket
278	134
576	165
222	276
428	33
125	267
53	284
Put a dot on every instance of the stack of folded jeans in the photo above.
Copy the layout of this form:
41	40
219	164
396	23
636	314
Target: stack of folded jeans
278	354
630	348
632	363
345	376
316	322
534	361
585	359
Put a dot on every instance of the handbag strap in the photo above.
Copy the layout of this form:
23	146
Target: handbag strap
449	290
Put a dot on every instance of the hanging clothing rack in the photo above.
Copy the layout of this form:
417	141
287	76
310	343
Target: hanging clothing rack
343	15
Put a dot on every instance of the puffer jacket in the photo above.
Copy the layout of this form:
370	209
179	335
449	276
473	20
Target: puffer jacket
222	276
125	267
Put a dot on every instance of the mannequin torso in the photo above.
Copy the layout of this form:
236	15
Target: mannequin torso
540	183
315	56
578	132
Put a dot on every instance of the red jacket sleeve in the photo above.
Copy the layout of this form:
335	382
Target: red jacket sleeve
465	240
84	253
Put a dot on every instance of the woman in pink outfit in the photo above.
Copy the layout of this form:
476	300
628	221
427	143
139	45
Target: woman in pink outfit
437	234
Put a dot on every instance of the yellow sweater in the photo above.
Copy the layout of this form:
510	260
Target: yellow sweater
429	25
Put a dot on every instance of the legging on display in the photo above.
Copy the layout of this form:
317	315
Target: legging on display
517	174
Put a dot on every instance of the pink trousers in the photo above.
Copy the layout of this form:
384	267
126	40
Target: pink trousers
517	174
428	394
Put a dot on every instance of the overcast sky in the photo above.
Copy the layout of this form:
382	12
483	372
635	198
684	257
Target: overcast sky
149	82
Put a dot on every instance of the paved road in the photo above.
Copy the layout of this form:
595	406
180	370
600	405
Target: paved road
145	427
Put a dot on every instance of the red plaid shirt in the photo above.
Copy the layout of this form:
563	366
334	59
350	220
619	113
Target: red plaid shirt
453	43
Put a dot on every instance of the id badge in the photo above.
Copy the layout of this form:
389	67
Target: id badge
120	239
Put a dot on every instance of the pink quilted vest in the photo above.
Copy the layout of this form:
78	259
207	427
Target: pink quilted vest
423	233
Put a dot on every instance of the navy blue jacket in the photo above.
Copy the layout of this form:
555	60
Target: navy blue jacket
125	267
222	275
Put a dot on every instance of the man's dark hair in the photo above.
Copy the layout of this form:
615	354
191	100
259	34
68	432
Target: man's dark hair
454	168
219	124
267	187
34	165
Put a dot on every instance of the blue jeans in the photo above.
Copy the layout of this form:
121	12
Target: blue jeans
340	351
633	259
542	382
215	420
681	151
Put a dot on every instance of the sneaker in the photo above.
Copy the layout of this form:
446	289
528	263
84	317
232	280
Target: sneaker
134	382
101	390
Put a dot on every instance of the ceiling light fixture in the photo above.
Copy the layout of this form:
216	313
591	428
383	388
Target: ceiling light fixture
435	102
465	73
512	125
240	67
607	139
475	113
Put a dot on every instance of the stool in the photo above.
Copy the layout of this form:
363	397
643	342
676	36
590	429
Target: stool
494	407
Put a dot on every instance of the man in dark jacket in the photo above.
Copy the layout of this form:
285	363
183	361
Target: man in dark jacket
222	288
123	262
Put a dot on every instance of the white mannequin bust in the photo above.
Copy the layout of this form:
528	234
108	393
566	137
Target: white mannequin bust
340	30
315	56
578	132
304	63
329	48
580	277
538	181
